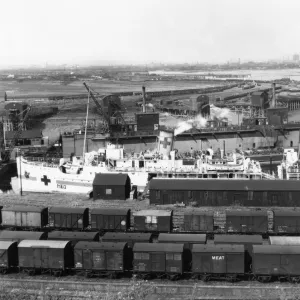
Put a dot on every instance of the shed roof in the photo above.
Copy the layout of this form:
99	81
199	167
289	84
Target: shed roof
71	235
184	238
218	248
247	213
237	238
100	246
158	247
153	212
110	211
258	93
284	240
17	235
43	244
286	213
23	208
196	184
110	179
127	236
70	210
4	245
26	134
198	213
276	249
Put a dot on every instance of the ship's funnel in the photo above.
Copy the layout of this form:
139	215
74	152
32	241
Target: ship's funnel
144	99
273	94
165	142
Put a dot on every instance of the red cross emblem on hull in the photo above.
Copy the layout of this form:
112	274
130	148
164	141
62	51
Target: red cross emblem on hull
45	179
165	143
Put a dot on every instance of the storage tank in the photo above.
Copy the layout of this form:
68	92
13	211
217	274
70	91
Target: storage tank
165	142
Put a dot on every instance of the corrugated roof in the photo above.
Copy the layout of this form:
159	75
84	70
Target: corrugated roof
110	179
110	211
157	247
26	134
218	248
43	244
237	238
222	185
284	240
247	213
100	246
23	208
4	245
126	236
17	235
184	238
70	210
71	235
276	249
286	213
153	212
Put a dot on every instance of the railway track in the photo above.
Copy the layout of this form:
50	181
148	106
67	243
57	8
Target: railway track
107	289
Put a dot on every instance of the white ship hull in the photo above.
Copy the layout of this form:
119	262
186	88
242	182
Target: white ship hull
47	178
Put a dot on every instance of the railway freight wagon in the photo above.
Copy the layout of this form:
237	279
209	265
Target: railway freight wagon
284	193
102	259
24	216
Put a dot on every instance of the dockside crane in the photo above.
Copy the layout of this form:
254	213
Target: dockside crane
111	102
16	135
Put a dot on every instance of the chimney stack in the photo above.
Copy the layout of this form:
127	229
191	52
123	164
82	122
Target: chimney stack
144	99
273	94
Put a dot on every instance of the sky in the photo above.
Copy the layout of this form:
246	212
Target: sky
36	32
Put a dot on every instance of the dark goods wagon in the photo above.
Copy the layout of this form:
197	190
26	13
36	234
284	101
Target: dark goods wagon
153	220
8	256
218	262
199	221
24	216
246	221
73	236
110	219
15	235
248	241
69	218
53	257
162	260
276	262
130	237
102	259
286	222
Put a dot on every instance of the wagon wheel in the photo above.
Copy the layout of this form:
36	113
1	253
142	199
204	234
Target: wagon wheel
205	277
31	272
264	279
294	279
112	276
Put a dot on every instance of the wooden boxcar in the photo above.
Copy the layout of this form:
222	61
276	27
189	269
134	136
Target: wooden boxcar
110	219
286	221
9	255
153	220
73	236
24	216
160	259
198	221
109	259
236	239
45	256
246	221
274	261
187	239
130	237
218	261
17	236
212	192
69	218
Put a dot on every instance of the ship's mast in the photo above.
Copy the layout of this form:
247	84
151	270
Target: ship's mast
86	120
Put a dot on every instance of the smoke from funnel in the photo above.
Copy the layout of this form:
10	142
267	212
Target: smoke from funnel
219	113
198	122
